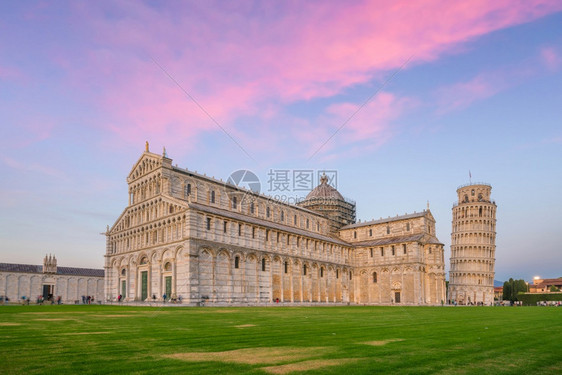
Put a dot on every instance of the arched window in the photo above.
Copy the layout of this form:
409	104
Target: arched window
267	212
144	260
388	229
212	196
234	203
286	267
252	208
355	234
407	226
282	215
168	266
480	212
304	270
370	233
337	274
263	264
321	271
236	262
123	272
374	277
187	189
350	275
295	220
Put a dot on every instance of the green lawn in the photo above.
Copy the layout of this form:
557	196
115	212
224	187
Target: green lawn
322	340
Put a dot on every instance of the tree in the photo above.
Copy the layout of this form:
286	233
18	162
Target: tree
554	288
506	291
512	288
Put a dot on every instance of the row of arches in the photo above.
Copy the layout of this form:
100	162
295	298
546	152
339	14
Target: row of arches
471	252
147	212
472	238
466	265
157	232
473	225
260	238
249	203
145	189
256	277
464	211
144	276
69	288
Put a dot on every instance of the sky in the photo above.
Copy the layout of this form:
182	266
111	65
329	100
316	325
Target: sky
401	99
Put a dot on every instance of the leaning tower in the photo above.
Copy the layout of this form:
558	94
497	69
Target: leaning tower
473	246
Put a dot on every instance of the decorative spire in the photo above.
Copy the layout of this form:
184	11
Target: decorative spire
428	205
146	147
323	179
164	152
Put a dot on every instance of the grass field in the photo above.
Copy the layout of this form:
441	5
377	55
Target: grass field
278	340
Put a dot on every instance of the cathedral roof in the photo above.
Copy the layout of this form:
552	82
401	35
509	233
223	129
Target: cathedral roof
267	223
421	237
324	191
387	220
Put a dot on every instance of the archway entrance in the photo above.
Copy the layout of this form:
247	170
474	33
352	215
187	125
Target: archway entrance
48	291
144	285
397	297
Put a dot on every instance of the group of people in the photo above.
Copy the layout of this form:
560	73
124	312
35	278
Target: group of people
86	300
41	300
165	298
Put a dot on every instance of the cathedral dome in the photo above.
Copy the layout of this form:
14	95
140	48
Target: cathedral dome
324	191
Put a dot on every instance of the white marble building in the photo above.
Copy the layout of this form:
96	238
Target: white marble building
50	281
189	236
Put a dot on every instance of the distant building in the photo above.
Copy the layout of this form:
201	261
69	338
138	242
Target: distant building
186	235
498	293
544	285
473	246
50	281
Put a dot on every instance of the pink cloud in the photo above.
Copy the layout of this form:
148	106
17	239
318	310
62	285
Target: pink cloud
10	73
33	167
248	59
463	94
364	127
489	83
551	58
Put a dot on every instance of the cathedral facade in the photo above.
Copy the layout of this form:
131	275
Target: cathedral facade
195	239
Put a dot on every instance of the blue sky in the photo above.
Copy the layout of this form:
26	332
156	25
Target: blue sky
82	89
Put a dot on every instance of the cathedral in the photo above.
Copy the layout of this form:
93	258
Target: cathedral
198	240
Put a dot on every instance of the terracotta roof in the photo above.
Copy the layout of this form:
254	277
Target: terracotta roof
266	223
30	268
421	237
387	220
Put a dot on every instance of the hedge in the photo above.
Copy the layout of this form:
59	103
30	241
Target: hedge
531	299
